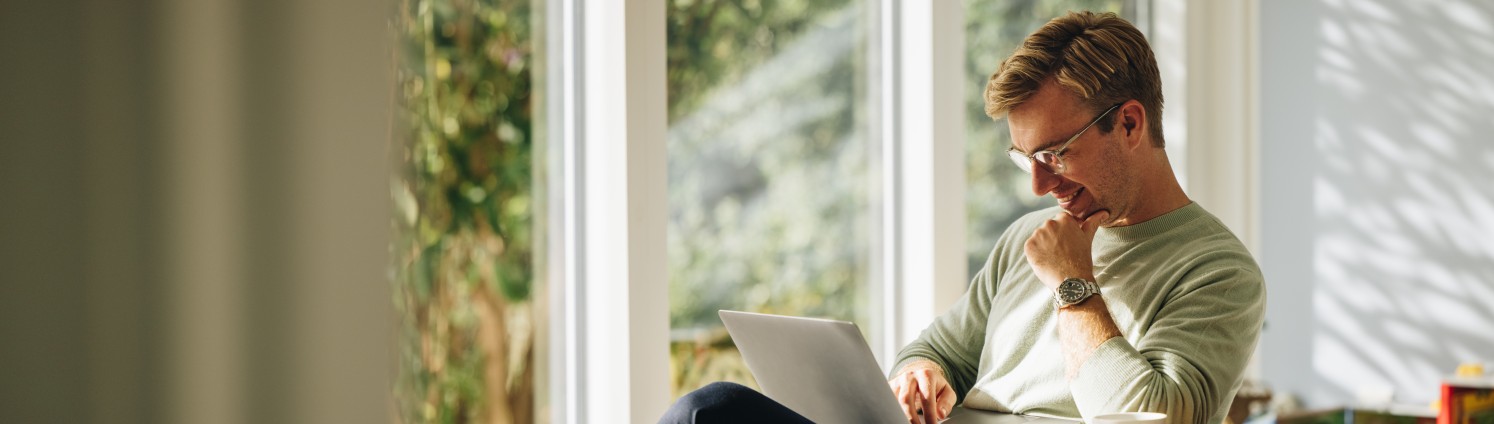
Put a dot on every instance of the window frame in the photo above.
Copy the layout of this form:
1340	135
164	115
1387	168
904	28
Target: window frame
922	134
610	355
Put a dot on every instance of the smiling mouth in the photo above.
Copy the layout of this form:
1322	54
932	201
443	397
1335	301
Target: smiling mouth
1070	197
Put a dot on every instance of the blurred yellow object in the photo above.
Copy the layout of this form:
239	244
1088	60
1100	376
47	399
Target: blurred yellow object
1470	369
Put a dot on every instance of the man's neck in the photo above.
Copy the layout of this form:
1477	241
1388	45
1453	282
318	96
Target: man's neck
1164	195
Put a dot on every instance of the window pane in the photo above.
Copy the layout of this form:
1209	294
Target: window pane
998	193
464	196
769	171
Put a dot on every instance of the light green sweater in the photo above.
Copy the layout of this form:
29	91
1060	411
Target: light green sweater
1183	291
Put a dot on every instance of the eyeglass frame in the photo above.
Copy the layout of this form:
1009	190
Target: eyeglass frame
1025	161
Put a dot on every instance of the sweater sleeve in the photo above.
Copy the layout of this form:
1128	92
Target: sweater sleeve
955	339
1192	359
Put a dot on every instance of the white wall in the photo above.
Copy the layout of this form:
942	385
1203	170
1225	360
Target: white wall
1377	210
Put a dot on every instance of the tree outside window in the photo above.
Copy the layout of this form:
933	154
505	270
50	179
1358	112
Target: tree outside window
464	197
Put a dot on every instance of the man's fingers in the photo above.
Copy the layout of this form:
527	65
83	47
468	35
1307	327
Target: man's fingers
907	396
912	407
929	409
925	392
1092	223
946	402
925	385
928	392
918	389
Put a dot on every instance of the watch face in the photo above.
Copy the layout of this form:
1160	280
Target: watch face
1071	290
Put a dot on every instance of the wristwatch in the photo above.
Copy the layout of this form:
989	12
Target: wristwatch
1073	291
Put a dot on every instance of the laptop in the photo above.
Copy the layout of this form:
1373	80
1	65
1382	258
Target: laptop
824	370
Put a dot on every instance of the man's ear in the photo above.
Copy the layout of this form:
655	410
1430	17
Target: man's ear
1133	118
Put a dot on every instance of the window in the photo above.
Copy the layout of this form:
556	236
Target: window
464	200
997	192
770	171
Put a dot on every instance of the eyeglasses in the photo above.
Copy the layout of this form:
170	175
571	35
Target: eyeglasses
1051	160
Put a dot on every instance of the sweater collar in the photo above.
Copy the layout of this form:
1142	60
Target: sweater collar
1152	227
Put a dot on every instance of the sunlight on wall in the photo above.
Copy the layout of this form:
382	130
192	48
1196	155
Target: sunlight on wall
1402	235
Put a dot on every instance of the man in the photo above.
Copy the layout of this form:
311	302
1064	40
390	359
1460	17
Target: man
1126	297
1179	302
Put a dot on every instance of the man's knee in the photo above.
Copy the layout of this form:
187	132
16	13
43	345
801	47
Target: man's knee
711	396
723	389
714	396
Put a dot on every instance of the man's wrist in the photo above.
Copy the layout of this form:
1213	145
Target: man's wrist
920	362
1088	304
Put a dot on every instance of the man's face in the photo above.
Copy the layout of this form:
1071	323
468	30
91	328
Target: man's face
1094	175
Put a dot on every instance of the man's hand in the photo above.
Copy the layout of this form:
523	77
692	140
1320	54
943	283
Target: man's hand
922	390
1060	248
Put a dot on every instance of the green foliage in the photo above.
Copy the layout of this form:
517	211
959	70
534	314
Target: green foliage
463	245
745	203
713	42
768	170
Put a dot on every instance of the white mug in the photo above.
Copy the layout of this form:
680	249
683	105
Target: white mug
1130	418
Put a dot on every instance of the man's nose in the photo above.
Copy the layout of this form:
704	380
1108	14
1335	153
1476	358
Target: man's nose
1043	181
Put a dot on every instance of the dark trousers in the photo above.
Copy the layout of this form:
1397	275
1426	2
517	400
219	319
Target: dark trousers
723	402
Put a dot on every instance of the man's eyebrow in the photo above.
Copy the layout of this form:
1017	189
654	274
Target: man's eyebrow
1045	146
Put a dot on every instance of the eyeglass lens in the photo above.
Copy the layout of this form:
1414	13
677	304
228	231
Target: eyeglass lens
1046	159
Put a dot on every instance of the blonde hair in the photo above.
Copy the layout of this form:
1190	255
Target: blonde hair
1099	57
